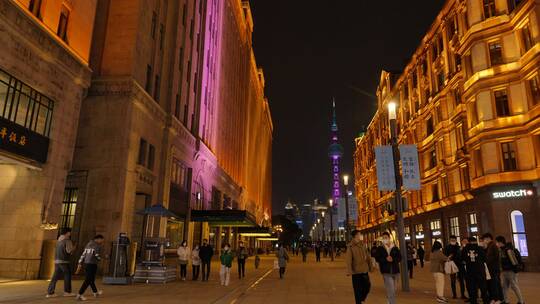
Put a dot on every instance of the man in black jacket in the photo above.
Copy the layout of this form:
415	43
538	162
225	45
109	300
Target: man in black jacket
493	261
205	253
388	257
475	258
453	252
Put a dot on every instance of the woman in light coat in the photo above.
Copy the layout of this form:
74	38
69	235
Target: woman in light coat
437	260
282	257
183	259
195	263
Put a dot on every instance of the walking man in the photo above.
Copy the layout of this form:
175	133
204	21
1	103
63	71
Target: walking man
283	258
89	260
205	253
421	253
388	257
453	252
318	252
62	256
475	258
410	259
493	261
241	256
304	253
358	262
510	268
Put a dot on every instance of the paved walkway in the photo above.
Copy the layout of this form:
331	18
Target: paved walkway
303	283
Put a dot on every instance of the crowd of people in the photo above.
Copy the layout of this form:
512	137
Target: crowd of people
489	266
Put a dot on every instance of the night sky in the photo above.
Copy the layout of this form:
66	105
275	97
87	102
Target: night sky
313	50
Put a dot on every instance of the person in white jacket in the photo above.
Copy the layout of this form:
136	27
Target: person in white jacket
183	259
195	263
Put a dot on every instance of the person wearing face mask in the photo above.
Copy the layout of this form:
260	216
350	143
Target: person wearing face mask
282	257
474	257
195	263
493	261
226	259
388	257
241	256
205	253
183	253
453	252
358	262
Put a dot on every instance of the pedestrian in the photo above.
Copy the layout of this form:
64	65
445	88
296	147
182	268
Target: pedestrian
453	252
226	259
437	260
510	268
318	252
257	261
410	260
241	257
62	256
205	253
388	257
462	275
282	257
493	261
183	259
195	262
89	260
358	261
304	253
421	254
475	270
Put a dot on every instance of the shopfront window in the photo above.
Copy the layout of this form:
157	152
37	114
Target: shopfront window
69	205
175	233
473	224
454	227
518	232
436	233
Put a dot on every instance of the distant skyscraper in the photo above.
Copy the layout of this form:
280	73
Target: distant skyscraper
335	152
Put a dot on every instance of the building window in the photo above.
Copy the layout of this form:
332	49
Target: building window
518	232
495	53
445	184
25	106
527	38
501	103
478	165
156	88
435	193
473	224
432	158
534	85
63	23
429	126
489	8
513	4
464	176
154	24
179	173
509	156
177	107
440	80
454	227
161	36
69	205
148	85
151	157
35	8
143	146
460	141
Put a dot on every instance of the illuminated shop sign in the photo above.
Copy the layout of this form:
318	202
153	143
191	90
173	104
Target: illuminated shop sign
512	193
436	233
419	236
22	141
407	237
474	229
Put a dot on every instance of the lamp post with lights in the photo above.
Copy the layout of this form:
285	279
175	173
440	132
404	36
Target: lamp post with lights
392	117
347	221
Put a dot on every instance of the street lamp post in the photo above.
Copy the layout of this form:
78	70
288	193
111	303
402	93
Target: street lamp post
319	230
331	202
399	204
347	226
323	227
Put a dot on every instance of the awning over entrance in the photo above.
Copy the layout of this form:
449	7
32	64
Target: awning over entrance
255	231
230	218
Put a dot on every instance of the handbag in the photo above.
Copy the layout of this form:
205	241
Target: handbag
276	264
450	267
488	275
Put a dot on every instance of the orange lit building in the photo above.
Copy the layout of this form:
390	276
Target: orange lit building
469	100
44	75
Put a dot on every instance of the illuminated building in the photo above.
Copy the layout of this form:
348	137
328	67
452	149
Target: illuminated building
44	74
469	100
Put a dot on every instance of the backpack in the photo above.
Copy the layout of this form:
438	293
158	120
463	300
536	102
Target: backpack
520	266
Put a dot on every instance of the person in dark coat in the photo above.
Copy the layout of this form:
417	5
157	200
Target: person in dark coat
493	261
318	252
421	254
453	252
205	253
474	257
388	257
304	253
410	260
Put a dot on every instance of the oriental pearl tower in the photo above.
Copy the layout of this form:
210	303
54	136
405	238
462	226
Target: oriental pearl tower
335	153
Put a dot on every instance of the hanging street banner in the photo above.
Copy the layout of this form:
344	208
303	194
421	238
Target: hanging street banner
410	168
386	180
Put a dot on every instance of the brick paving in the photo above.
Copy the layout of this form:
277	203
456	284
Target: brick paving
304	283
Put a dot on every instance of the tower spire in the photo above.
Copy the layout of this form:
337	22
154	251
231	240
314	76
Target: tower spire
335	152
334	120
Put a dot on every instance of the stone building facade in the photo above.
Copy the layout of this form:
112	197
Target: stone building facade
469	100
44	75
175	115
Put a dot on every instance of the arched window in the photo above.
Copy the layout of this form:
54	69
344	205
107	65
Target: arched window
518	232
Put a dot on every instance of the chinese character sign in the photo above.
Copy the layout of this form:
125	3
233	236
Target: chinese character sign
386	179
409	165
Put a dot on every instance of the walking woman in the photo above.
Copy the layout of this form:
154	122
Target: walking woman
437	260
195	263
282	257
183	259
